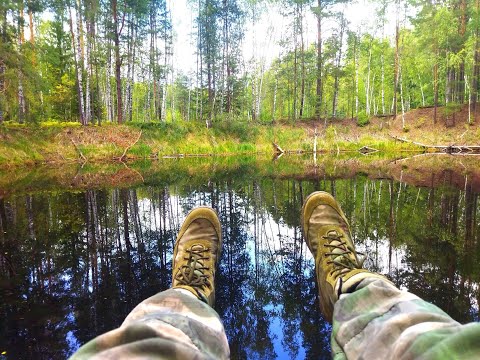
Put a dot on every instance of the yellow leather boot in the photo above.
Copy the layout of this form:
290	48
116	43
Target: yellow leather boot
337	265
196	254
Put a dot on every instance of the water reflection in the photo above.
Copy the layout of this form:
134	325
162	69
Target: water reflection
73	264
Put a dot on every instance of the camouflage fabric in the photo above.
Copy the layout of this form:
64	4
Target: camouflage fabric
376	321
172	324
379	321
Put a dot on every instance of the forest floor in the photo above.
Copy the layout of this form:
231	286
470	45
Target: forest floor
419	127
61	143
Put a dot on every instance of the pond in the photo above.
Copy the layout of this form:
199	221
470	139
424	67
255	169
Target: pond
78	255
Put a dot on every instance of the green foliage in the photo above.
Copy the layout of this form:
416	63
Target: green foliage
451	108
241	130
330	133
140	150
59	124
357	65
363	119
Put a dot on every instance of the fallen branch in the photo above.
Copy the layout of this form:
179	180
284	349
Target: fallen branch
135	171
128	147
367	150
409	141
79	151
277	149
449	149
429	154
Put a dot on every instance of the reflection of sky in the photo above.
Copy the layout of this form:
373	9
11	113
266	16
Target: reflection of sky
267	241
271	238
278	340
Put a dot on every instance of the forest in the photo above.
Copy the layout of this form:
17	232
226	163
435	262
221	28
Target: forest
97	61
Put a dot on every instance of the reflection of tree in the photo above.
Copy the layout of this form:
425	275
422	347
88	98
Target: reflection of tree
439	268
300	310
239	297
72	265
30	287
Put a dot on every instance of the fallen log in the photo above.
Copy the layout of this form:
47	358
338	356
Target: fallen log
277	149
129	146
79	151
367	150
448	149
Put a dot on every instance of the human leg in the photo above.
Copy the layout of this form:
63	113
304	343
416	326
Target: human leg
178	323
372	319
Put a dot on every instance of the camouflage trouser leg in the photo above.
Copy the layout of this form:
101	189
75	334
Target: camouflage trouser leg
378	321
172	324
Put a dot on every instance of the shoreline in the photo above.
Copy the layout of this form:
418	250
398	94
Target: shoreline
66	143
425	170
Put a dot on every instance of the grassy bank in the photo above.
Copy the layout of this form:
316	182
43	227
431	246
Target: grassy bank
67	142
426	171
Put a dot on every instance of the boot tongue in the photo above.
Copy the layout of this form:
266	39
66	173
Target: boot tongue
325	215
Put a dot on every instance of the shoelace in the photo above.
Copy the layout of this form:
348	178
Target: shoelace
348	256
191	273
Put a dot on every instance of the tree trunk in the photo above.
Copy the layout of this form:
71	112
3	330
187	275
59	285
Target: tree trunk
78	71
367	86
476	66
355	64
87	63
302	50
295	66
81	62
2	90
435	88
337	67
383	84
131	65
461	71
118	61
397	60
3	29
274	99
401	99
108	87
20	94
318	105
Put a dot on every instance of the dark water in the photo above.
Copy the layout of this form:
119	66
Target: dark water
73	264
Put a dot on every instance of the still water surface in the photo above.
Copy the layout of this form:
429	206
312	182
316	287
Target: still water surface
74	263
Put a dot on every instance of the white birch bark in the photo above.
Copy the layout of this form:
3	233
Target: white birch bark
421	90
367	87
275	99
383	85
87	62
76	53
164	102
401	96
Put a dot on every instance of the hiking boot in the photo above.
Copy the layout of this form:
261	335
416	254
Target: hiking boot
337	265
196	254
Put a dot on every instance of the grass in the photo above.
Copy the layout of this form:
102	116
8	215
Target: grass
201	170
54	142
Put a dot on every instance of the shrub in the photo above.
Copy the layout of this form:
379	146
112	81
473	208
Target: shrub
330	133
241	130
362	119
451	108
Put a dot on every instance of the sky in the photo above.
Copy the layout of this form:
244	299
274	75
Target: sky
262	41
